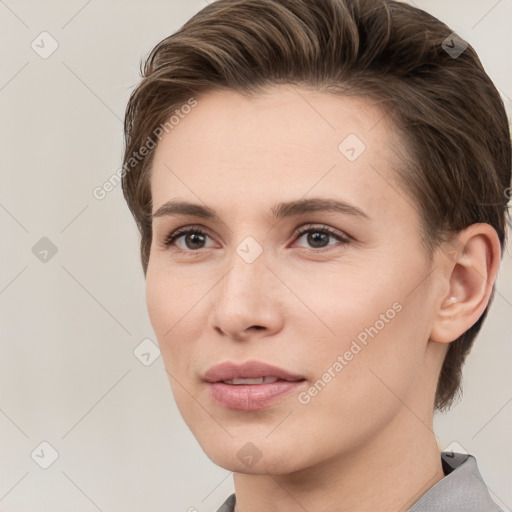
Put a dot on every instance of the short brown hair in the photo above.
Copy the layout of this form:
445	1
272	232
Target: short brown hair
449	113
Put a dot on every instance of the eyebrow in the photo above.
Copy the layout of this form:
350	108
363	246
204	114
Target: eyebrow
278	211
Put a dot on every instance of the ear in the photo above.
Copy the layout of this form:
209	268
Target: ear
473	261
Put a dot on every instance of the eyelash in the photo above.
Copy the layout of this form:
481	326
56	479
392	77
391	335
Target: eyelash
172	237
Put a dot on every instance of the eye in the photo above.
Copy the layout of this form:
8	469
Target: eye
193	238
318	236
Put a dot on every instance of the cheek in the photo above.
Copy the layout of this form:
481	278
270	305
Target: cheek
377	362
342	302
176	306
372	327
170	297
159	302
167	306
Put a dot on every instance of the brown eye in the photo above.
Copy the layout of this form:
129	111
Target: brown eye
318	236
193	239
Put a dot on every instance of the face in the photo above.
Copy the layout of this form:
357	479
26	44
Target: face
338	297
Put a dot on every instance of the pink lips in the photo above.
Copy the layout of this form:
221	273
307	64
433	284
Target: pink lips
249	397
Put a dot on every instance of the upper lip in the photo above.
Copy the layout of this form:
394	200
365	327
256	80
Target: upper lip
247	370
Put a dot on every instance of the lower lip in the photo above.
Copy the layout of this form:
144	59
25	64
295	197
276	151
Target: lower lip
251	397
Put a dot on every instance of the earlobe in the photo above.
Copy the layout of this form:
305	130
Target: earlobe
471	273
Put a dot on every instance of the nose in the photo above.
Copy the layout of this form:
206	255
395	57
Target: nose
246	301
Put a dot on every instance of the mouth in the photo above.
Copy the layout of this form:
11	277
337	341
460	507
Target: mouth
250	386
260	380
250	372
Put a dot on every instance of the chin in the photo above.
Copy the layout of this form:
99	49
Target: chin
255	458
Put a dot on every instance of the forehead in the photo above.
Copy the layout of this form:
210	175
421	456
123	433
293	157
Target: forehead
281	144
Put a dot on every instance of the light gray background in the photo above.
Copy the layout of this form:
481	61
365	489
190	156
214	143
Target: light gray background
70	325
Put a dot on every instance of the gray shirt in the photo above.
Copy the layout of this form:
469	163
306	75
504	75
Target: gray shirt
461	490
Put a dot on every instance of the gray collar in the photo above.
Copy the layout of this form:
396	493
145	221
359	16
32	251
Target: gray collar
461	490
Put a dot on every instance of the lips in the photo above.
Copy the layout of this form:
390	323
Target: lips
250	386
228	371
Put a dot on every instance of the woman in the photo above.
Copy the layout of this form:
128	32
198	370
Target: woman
321	191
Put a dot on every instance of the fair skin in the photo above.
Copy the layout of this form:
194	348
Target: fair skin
365	442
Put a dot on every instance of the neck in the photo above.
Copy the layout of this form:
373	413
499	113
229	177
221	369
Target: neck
387	473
